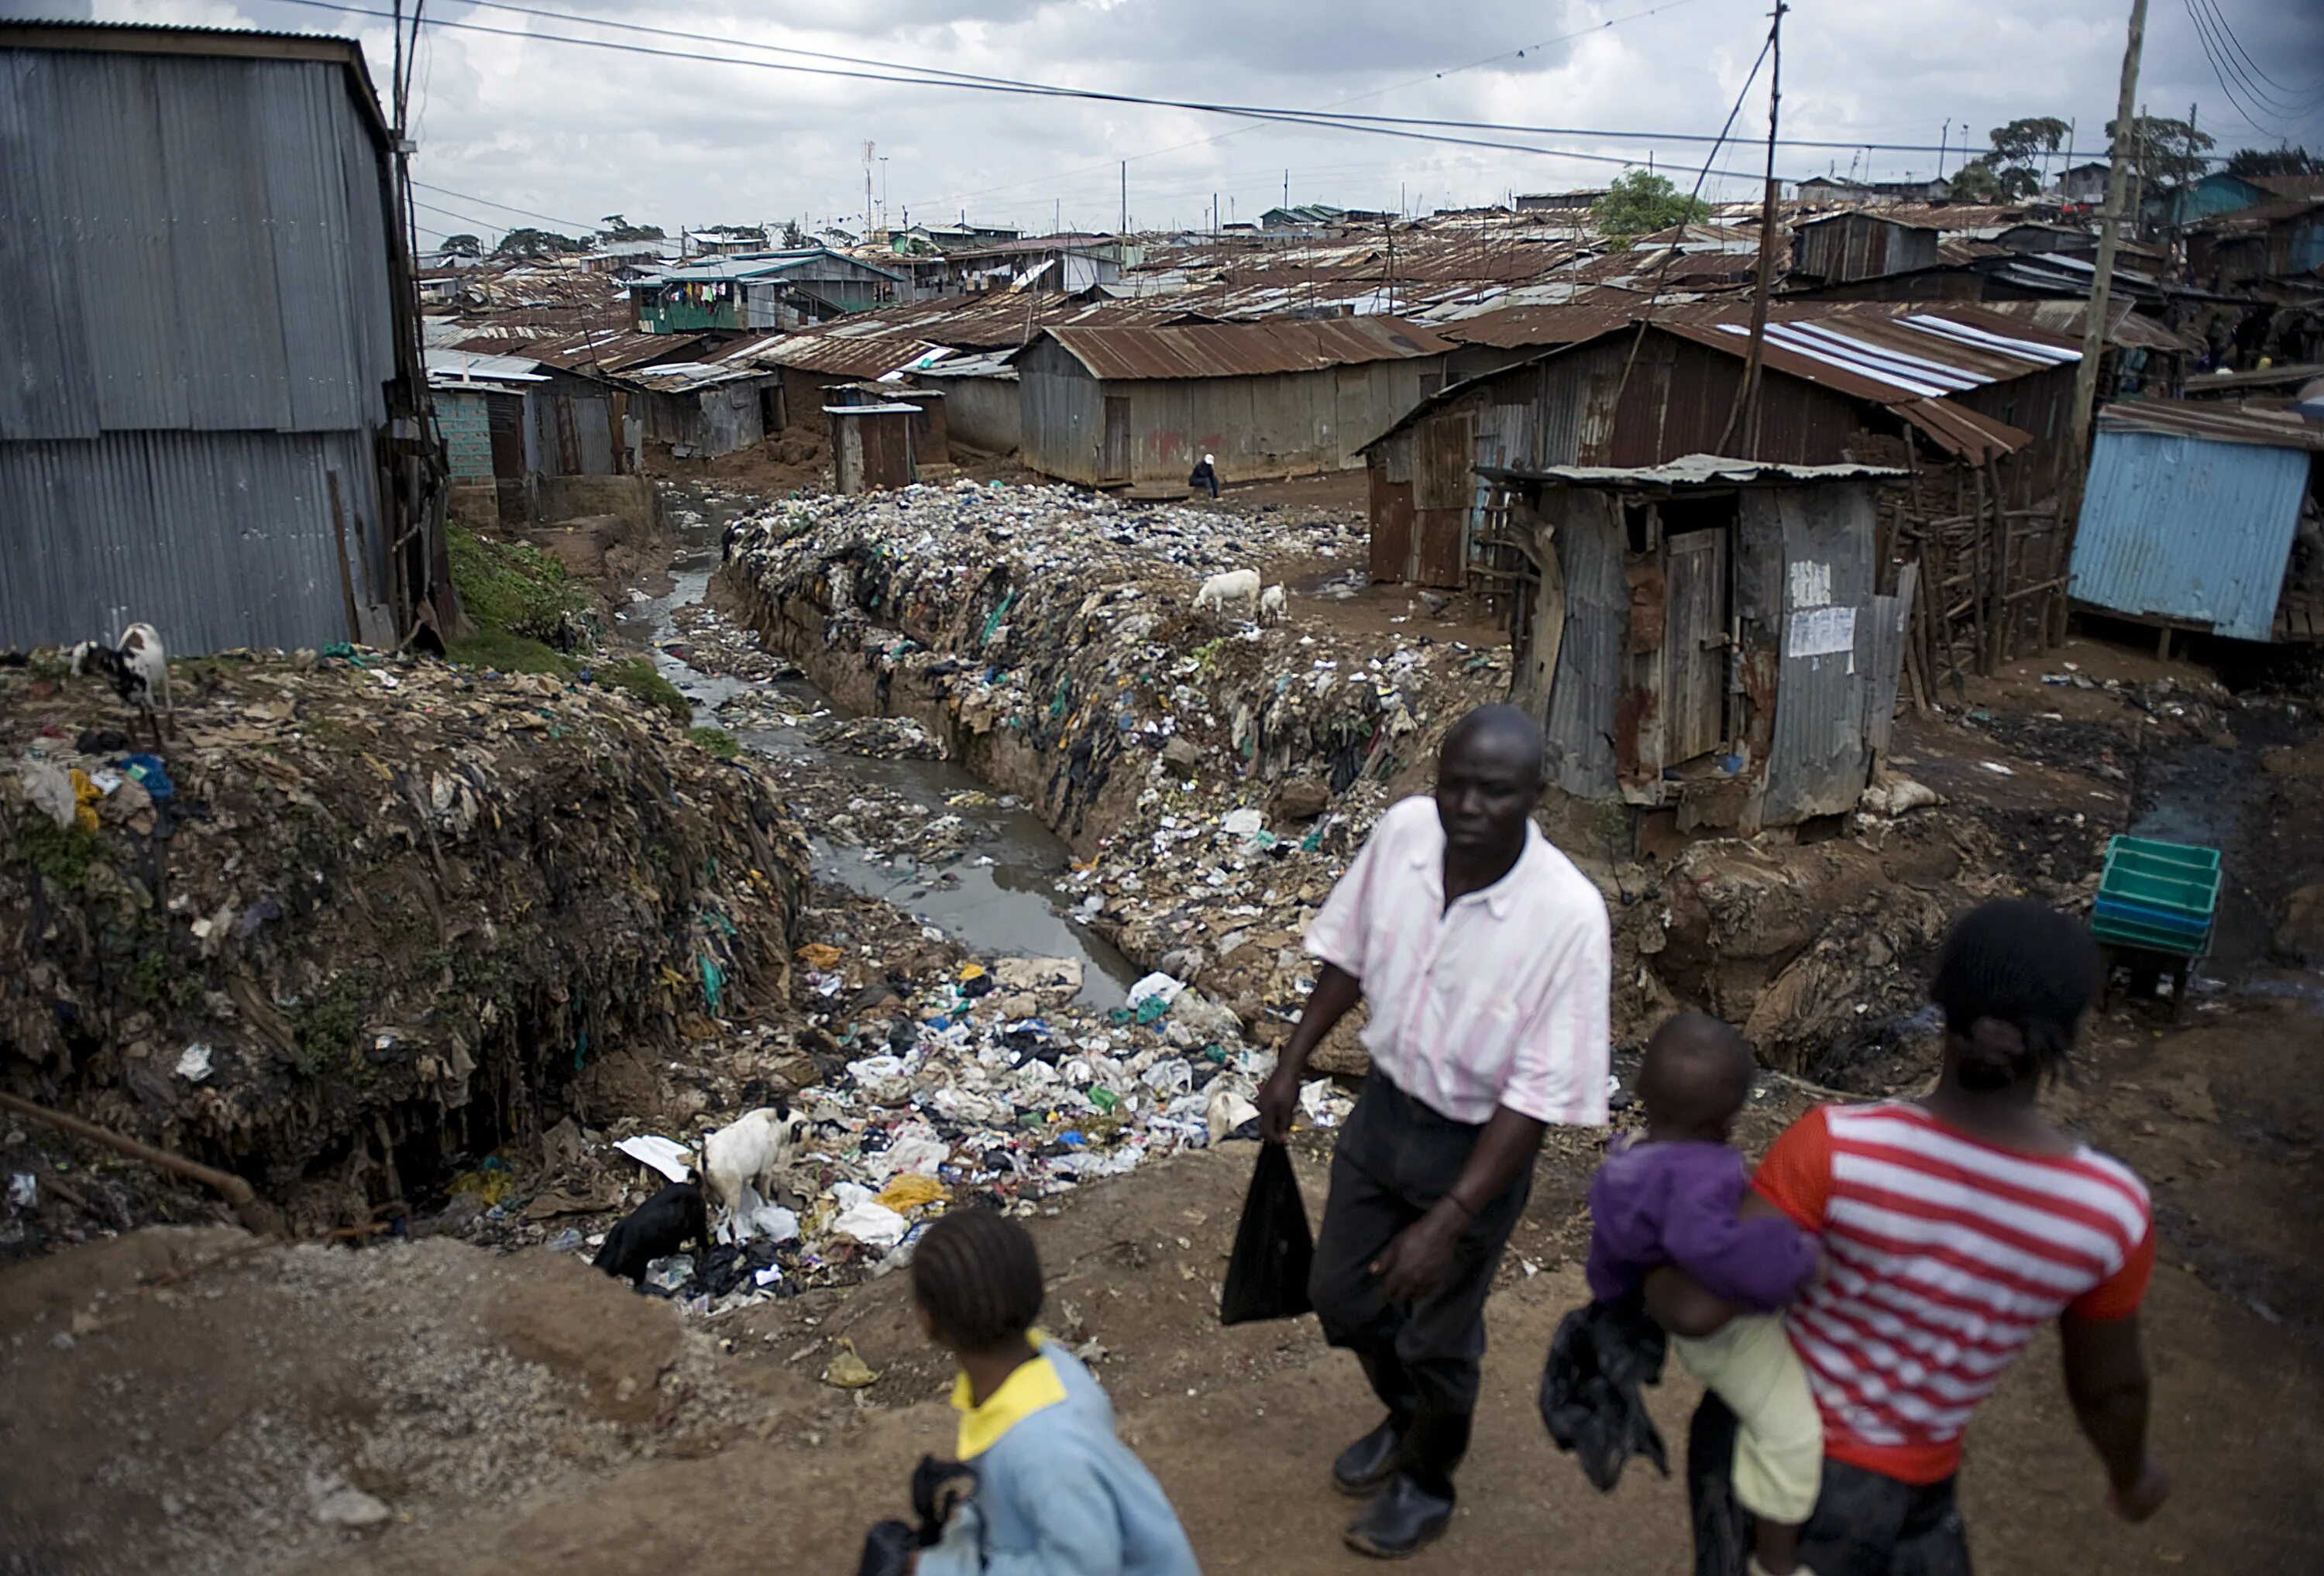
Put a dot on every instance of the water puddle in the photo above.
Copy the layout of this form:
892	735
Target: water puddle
995	900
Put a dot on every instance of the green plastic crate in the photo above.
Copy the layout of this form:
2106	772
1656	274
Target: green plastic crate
2175	853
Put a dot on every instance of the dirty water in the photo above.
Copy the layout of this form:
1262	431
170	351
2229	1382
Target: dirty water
1002	907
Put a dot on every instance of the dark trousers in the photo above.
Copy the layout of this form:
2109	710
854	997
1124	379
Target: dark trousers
1394	1159
1864	1525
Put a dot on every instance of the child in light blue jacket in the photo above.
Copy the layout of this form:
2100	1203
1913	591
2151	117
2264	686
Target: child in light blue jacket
1056	1493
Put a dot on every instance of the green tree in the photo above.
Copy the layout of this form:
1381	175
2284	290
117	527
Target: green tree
2249	162
527	244
1641	202
2018	149
793	237
2166	153
462	246
1975	181
617	227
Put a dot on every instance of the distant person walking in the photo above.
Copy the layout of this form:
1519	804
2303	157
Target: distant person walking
1205	474
1484	956
1952	1226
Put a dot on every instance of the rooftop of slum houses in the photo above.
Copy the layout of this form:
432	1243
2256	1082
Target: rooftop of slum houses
214	42
1692	470
1213	350
1907	361
751	265
2258	217
885	340
461	369
2217	423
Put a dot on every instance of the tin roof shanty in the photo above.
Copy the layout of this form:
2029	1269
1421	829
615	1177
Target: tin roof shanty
1226	350
2191	517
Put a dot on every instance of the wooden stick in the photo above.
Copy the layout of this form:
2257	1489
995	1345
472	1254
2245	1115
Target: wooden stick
228	1186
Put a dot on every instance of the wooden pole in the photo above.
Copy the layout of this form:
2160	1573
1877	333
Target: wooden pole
1752	357
2086	375
254	1213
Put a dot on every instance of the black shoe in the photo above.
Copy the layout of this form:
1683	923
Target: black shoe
1405	1519
1370	1461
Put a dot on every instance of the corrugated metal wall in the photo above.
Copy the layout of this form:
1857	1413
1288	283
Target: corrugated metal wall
1818	759
217	538
2187	529
1285	424
194	256
984	412
1579	737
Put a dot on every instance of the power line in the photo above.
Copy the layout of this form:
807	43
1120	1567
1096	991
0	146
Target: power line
510	208
2240	94
1351	99
2299	102
1413	128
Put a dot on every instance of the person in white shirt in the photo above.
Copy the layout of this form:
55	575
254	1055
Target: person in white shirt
1486	960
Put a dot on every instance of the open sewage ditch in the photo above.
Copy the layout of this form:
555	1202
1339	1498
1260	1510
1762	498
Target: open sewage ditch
379	921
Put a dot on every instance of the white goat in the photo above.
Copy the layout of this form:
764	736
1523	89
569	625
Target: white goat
753	1149
1274	605
1236	585
139	667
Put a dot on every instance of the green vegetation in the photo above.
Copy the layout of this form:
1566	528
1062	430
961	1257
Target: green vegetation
327	1026
508	653
717	741
62	855
637	677
1640	202
513	588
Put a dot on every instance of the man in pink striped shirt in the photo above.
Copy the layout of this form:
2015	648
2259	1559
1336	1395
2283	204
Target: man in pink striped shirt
1485	958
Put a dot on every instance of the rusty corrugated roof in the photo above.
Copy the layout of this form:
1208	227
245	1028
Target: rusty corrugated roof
2197	419
1220	350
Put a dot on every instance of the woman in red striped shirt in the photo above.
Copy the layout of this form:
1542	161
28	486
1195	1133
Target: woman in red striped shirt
1953	1226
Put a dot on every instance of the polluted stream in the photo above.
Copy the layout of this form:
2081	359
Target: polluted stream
994	899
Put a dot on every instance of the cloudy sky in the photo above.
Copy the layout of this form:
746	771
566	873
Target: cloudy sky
662	129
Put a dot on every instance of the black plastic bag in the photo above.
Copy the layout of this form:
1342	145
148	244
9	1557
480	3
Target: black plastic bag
888	1549
937	1488
1266	1278
1599	1359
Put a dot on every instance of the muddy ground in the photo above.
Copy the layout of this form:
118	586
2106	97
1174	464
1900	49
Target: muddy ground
190	1403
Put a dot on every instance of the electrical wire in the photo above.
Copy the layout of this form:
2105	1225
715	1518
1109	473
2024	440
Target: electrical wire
2297	103
511	208
1411	127
2223	68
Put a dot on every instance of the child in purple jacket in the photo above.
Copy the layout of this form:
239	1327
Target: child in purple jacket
1670	1198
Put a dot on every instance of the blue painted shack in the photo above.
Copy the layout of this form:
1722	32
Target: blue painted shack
2197	518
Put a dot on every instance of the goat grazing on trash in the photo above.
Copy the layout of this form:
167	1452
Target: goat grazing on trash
655	1228
753	1149
140	669
1237	586
1274	605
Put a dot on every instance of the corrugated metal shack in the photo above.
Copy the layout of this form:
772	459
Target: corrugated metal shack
1705	638
2200	518
1139	406
931	432
1840	388
1859	244
772	289
872	446
213	415
983	405
703	409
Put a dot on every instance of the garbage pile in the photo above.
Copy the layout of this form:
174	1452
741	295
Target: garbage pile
1221	772
931	1078
363	914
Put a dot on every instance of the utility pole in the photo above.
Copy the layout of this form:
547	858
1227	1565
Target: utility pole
1286	189
1214	215
1748	396
1125	199
1942	136
2086	375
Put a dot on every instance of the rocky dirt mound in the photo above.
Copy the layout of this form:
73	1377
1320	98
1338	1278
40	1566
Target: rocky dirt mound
363	915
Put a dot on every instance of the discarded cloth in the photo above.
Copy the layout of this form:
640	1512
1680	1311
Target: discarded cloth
1601	1357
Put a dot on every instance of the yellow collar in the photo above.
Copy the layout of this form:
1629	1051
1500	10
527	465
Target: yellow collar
1033	1387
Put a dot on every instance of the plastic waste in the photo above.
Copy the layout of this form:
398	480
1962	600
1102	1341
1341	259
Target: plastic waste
673	1159
864	1218
194	1063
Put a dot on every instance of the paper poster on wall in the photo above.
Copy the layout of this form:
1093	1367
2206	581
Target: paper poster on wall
1811	584
1821	631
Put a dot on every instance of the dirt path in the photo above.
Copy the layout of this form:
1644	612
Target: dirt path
735	1457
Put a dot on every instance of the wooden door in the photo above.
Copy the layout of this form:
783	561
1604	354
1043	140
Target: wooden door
1694	646
1113	458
